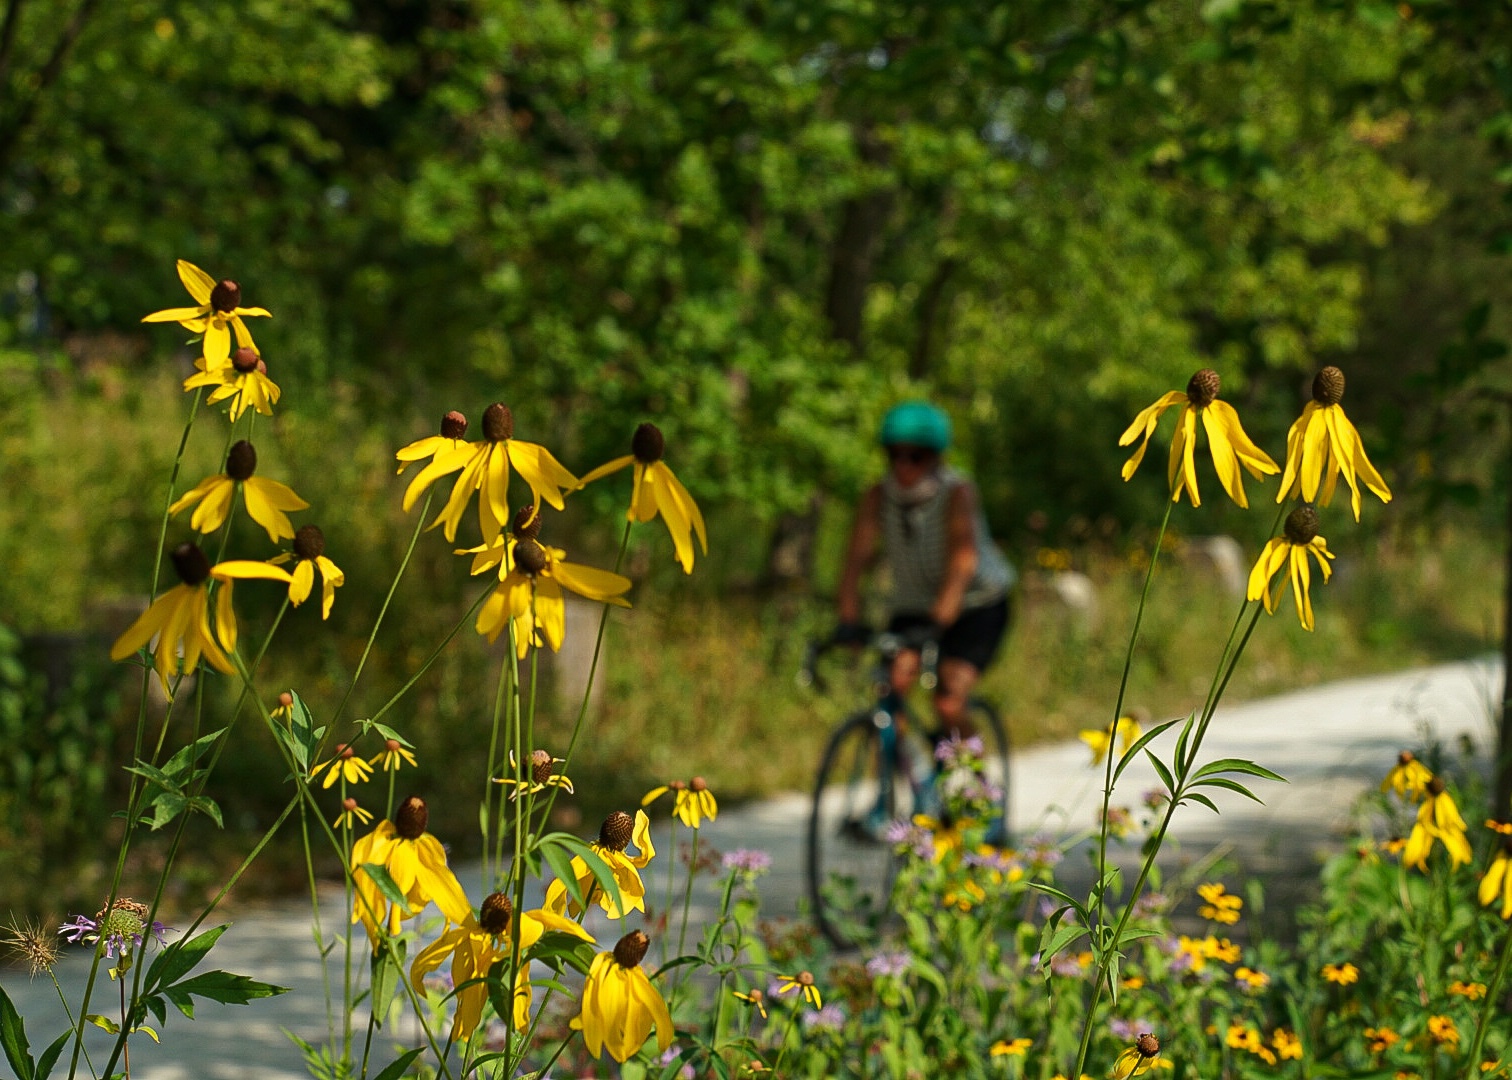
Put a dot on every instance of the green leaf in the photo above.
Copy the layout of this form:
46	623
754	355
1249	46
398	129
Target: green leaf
1198	797
386	885
1064	898
1161	771
1181	742
165	808
1236	765
1229	785
185	758
221	986
180	958
387	977
560	861
13	1039
49	1056
104	1023
396	1068
1052	942
1128	755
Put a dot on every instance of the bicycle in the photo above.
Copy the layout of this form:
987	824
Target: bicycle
877	769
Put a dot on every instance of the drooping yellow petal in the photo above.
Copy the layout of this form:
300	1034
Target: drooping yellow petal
331	577
444	462
303	580
1314	450
545	474
266	502
249	568
592	583
1225	461
199	283
150	622
550	612
605	469
1301	579
177	314
689	508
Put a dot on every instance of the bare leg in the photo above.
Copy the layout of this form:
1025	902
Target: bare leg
958	679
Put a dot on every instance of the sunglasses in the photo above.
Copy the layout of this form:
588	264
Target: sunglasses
911	455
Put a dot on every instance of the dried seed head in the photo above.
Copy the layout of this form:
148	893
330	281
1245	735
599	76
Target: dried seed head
1147	1045
648	444
226	297
540	766
527	522
698	783
241	461
35	944
309	542
412	818
1436	787
190	562
247	360
1301	525
453	425
631	949
1328	386
498	422
616	831
530	557
1203	388
495	914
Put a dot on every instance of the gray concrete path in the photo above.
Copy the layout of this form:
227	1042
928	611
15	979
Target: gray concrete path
1330	742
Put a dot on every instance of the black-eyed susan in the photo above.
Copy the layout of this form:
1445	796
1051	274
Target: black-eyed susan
1322	444
1438	819
1497	883
1471	991
1137	1059
803	984
476	945
351	815
180	618
532	577
1298	538
543	775
1379	1040
217	316
395	753
484	468
1219	904
1340	974
1408	777
1127	731
453	436
267	500
309	553
416	862
1010	1047
655	490
244	381
620	1006
1288	1046
1231	448
1442	1030
1252	979
345	766
692	801
617	833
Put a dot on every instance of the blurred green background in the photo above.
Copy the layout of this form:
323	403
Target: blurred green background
758	224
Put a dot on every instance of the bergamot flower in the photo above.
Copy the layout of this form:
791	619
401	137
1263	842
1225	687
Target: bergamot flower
655	490
1438	819
345	766
543	775
117	928
476	945
692	803
1322	444
181	618
1230	446
417	863
309	550
532	577
620	1006
616	834
1298	537
245	381
485	468
219	314
803	984
1408	777
453	437
1127	731
266	499
1137	1059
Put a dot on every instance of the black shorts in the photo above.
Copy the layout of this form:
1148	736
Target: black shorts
974	637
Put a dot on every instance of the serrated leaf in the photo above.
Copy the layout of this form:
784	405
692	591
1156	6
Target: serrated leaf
228	988
49	1056
180	958
13	1039
1236	765
397	1068
1128	755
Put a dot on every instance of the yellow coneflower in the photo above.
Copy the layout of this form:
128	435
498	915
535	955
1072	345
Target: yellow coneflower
1408	777
803	984
309	554
620	1006
218	315
692	802
417	863
1137	1059
656	490
267	500
1127	731
617	833
453	436
1497	883
543	775
1231	448
244	381
1221	906
1298	538
1322	444
1438	819
1342	974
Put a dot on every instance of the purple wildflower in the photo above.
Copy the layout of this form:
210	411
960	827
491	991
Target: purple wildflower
886	964
1127	1030
829	1018
1065	964
950	751
121	927
748	861
1041	851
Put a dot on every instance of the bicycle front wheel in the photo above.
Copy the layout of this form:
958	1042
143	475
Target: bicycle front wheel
996	757
860	790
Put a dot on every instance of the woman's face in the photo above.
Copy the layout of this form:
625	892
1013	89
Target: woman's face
910	464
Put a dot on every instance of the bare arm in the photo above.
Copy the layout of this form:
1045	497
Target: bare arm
865	540
960	555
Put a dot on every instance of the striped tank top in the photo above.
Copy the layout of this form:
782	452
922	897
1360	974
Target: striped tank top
914	543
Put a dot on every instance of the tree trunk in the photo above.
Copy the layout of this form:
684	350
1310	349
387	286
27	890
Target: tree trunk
861	224
1501	806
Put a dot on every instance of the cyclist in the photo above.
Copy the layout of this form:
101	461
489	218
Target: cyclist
947	576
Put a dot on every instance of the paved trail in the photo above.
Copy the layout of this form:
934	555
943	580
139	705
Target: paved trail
1330	742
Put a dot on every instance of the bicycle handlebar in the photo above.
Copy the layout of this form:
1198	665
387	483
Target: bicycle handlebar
924	639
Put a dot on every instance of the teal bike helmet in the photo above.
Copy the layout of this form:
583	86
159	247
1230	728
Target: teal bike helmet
916	423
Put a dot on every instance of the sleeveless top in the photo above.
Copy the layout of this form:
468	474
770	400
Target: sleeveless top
914	544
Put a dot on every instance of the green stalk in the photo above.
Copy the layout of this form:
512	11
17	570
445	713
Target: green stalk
1489	1006
431	659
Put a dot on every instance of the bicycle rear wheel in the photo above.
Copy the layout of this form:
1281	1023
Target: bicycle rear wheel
860	789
